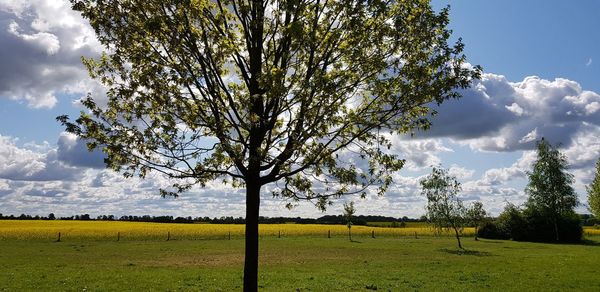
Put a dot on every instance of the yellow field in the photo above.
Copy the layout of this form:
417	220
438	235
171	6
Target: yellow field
111	230
591	231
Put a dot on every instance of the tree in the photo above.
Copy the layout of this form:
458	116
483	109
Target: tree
549	189
593	191
475	215
259	92
444	208
348	214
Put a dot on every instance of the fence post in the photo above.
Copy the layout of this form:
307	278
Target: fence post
168	235
58	240
328	233
416	235
372	233
229	235
279	235
118	236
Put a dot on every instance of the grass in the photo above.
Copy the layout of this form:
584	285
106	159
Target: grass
299	264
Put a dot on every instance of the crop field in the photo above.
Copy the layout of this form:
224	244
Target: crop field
113	230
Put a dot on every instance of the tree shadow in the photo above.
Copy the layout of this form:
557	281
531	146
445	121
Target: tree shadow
466	252
590	242
489	240
355	241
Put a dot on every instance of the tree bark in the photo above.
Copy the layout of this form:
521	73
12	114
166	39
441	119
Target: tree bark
457	237
251	250
556	230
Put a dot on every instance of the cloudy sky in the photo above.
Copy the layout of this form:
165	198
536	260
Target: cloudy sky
542	79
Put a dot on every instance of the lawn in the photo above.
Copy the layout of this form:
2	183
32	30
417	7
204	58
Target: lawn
299	264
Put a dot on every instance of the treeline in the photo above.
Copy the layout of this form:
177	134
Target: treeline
328	219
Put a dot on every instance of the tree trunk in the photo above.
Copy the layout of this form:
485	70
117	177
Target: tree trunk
556	230
457	237
251	252
349	234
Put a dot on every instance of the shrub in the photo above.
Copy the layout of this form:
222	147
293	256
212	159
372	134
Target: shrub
490	230
513	223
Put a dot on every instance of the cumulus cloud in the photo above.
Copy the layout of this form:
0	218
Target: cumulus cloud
419	153
498	115
500	176
460	172
23	164
74	152
42	44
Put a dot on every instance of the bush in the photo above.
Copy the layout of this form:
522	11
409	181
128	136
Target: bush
542	228
513	224
490	230
529	226
591	221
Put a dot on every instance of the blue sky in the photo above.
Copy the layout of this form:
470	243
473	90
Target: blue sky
542	78
547	38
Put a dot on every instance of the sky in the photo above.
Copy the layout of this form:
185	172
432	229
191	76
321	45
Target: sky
541	78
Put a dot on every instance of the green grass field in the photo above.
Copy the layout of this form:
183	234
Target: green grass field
299	264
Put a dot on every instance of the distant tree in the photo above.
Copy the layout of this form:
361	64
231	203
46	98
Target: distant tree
348	214
444	208
593	191
475	215
51	216
551	195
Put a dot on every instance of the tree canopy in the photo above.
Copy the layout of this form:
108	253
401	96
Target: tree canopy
444	208
203	89
257	92
550	192
475	215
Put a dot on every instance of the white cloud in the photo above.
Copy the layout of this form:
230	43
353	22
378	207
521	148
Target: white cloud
27	165
589	62
498	115
42	45
500	176
419	153
460	172
530	137
45	41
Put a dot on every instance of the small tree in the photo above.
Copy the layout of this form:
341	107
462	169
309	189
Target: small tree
551	195
348	213
444	208
593	191
475	215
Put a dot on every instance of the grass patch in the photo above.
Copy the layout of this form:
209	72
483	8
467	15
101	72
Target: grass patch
299	263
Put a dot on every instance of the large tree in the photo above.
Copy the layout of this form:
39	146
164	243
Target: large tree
444	209
266	92
593	191
549	189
